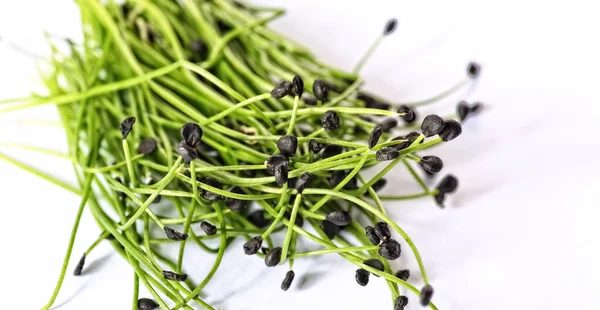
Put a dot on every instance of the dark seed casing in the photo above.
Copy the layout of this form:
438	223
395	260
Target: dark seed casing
400	302
315	146
409	114
208	195
402	145
387	153
390	26
403	274
375	263
147	304
308	100
252	246
297	86
382	231
126	126
282	89
426	294
370	232
390	249
302	182
276	160
338	176
191	134
330	120
281	175
174	235
375	135
448	184
432	125
332	150
473	70
388	124
339	218
186	152
272	258
287	281
379	185
362	277
235	204
147	146
287	145
79	267
330	229
412	136
257	218
452	129
320	90
431	164
170	275
208	228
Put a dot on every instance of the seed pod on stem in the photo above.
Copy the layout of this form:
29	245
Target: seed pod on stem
297	86
302	182
409	114
432	125
287	145
126	126
330	229
387	153
339	218
473	70
191	134
403	274
372	235
390	249
174	235
426	294
431	164
375	135
330	120
208	228
147	304
282	89
375	263
79	267
287	281
400	302
170	275
320	90
272	258
390	27
452	129
252	246
362	277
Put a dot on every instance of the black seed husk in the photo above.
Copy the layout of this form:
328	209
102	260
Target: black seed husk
412	136
375	263
338	176
235	204
452	129
208	195
126	126
272	258
186	152
302	182
308	100
379	185
170	275
426	294
282	89
463	110
147	146
390	249
362	277
281	175
315	146
147	304
287	145
448	184
439	199
191	134
382	231
252	246
400	302
208	228
473	70
431	164
390	26
432	125
375	135
257	218
287	281
339	218
276	160
174	235
330	120
402	145
332	150
370	232
403	274
330	229
297	86
409	114
387	153
320	90
79	267
388	124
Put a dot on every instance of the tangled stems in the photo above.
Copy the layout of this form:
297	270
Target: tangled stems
215	65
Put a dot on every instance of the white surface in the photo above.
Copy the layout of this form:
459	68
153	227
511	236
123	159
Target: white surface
520	234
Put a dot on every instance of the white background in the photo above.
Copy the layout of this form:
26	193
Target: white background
521	233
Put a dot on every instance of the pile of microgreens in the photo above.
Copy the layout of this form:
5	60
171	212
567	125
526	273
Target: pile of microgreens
240	130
